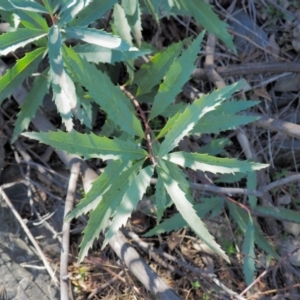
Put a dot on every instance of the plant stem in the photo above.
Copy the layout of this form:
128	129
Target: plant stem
144	119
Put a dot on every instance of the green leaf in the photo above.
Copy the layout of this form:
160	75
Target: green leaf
222	122
203	14
21	70
64	92
97	37
177	222
92	12
32	20
183	203
90	145
133	15
97	54
241	218
6	5
183	123
11	41
207	163
252	185
71	9
106	208
33	100
248	249
33	6
215	147
152	9
178	74
121	24
151	74
104	92
279	213
100	186
160	198
132	196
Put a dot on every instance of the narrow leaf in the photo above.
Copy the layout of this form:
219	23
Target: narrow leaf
21	70
178	74
132	196
90	145
252	185
33	100
203	14
32	20
279	213
184	123
97	37
104	92
222	122
106	208
133	15
177	222
64	93
186	209
160	198
28	5
241	218
100	186
121	24
71	9
92	12
11	41
97	54
248	249
151	74
207	163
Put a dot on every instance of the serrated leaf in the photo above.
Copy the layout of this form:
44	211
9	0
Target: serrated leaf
11	41
90	145
207	163
106	208
71	9
106	94
178	74
151	74
248	249
183	123
28	5
92	12
241	217
183	203
203	14
252	185
153	10
121	24
215	147
97	54
97	37
132	196
222	122
6	5
32	20
231	178
52	5
133	15
279	213
177	222
15	76
64	93
33	100
160	198
100	186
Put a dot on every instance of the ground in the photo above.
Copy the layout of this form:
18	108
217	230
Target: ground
267	37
